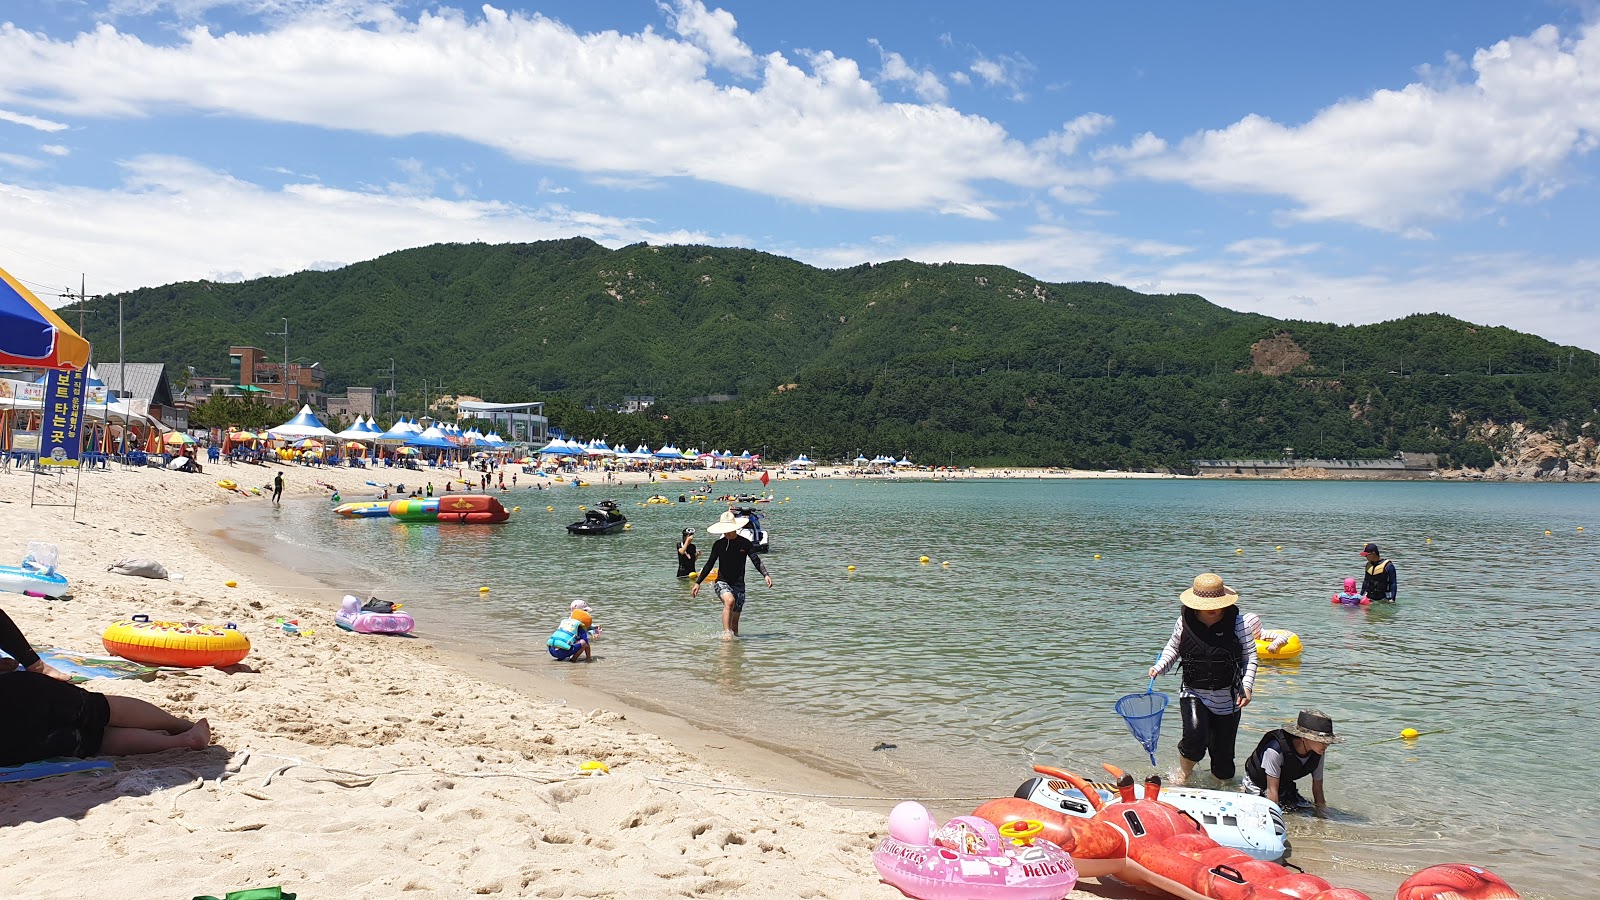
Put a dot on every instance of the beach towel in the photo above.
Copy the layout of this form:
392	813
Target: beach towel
45	768
266	893
84	666
144	568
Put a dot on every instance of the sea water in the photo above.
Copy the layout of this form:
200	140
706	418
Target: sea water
1043	601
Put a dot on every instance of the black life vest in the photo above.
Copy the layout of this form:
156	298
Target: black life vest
1379	583
1210	656
1294	768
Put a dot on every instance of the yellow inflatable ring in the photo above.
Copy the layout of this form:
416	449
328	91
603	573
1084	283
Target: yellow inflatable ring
1290	649
183	644
227	485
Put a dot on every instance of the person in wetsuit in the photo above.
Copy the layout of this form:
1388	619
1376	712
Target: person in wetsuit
728	557
1381	583
1288	754
1218	655
687	553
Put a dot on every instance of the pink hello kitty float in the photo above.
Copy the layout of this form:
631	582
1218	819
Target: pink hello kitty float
970	859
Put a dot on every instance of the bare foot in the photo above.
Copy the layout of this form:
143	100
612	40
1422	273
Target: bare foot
198	737
728	635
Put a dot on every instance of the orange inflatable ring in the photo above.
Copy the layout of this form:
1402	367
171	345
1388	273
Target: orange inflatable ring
183	644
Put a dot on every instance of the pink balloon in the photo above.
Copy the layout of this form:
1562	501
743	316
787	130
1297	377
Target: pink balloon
910	823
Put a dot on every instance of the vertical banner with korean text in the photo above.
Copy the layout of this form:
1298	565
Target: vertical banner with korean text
61	435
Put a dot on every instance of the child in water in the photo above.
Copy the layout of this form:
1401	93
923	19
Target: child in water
572	637
1350	597
1275	637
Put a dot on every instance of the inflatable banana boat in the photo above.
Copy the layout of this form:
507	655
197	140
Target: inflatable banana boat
364	509
456	509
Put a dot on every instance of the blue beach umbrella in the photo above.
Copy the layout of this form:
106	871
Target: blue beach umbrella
32	335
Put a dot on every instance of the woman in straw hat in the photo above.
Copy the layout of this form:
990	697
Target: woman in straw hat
1288	754
1218	656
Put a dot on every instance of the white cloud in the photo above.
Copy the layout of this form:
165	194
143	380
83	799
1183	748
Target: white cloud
1004	71
1065	141
1436	150
18	161
170	215
922	82
31	121
713	32
55	149
1254	251
638	106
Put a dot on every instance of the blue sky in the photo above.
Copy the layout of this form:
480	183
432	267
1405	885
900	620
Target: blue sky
1347	163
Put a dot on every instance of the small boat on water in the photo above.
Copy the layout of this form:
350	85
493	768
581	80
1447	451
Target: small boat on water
603	519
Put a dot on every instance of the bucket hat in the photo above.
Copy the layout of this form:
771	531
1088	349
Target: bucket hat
1314	725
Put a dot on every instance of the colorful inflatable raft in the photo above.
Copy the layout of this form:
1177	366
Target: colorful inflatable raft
970	857
351	617
364	509
33	580
462	509
183	644
1154	845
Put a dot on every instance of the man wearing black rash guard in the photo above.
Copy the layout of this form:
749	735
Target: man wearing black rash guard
727	557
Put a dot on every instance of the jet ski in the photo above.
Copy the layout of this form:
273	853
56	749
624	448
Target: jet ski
757	528
603	519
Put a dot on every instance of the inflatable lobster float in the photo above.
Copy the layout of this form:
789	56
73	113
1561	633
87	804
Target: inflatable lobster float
1152	844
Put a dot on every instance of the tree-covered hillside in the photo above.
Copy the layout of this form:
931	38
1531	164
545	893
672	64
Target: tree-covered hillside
979	364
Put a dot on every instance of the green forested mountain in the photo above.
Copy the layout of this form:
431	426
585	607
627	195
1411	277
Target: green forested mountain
979	364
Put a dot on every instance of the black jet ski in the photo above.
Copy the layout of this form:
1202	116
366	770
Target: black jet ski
603	519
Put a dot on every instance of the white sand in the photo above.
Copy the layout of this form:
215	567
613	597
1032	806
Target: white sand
412	774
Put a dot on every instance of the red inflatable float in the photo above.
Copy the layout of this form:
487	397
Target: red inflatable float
1151	844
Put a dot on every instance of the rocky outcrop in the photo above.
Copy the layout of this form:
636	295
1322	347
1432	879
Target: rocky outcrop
1277	355
1524	454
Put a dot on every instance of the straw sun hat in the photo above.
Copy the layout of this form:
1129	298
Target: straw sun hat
728	522
1209	592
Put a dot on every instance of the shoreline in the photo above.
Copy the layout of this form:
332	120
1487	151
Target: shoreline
481	795
762	763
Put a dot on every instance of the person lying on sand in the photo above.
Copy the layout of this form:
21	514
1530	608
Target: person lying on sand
44	715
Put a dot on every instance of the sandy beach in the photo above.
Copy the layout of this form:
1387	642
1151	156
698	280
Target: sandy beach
347	765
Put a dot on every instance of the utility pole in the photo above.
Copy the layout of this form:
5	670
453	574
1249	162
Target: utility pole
285	335
83	300
391	392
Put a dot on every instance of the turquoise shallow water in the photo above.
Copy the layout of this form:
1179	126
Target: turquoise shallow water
1017	650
